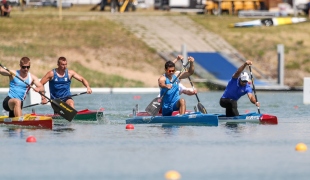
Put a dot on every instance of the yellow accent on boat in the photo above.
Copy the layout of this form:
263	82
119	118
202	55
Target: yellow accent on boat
282	21
26	117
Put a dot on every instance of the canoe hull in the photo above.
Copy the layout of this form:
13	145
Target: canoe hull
249	117
28	120
186	119
83	115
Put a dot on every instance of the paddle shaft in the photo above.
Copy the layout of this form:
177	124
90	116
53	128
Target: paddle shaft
189	78
254	88
60	98
200	106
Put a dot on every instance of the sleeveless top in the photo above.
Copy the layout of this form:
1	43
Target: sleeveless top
172	95
18	89
60	86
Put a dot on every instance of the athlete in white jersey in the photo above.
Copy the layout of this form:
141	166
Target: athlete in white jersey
18	89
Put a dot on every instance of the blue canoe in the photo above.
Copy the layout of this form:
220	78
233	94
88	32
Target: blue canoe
195	118
249	117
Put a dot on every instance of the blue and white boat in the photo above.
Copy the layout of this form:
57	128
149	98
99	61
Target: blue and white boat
252	117
194	118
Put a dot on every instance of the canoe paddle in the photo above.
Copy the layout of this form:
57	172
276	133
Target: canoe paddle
60	107
59	98
201	108
254	88
154	107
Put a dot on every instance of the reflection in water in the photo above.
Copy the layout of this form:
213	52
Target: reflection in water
170	129
240	128
14	132
63	129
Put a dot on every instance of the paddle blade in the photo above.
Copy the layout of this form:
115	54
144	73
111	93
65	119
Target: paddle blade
201	108
63	109
154	107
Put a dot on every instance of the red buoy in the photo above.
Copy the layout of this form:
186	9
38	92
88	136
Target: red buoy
129	126
137	97
31	139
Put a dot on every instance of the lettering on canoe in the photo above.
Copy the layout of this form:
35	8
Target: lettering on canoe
21	118
192	116
32	118
65	107
252	117
146	119
7	120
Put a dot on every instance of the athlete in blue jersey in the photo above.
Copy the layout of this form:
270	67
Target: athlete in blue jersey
60	81
18	89
237	87
171	100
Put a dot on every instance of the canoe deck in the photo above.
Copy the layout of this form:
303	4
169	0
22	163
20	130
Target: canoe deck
28	120
82	115
243	118
196	118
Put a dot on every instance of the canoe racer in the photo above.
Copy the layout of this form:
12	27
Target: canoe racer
18	89
237	87
172	101
60	81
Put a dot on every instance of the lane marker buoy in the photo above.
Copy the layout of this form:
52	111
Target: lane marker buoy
31	139
301	147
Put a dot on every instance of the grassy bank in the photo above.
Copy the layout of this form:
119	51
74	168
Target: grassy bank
108	55
260	45
92	45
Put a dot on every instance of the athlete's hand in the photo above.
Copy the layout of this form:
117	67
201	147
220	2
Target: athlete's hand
44	101
89	91
257	104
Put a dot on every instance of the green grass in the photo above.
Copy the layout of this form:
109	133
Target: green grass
43	37
89	36
99	79
259	44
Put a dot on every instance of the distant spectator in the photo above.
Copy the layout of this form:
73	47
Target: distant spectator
308	8
5	8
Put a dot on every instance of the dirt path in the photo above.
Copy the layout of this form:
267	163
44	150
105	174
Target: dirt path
168	33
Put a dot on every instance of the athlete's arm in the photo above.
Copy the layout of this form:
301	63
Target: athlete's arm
81	79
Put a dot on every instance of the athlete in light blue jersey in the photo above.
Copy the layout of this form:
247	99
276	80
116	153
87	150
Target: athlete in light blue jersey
171	100
60	81
237	87
18	89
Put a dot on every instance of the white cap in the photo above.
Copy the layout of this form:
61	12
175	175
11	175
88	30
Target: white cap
244	76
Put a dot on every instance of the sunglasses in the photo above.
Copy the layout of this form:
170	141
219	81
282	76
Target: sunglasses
244	81
171	71
24	67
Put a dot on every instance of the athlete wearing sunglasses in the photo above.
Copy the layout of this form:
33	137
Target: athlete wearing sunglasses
18	89
171	100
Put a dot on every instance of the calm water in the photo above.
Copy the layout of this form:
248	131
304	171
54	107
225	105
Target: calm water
106	150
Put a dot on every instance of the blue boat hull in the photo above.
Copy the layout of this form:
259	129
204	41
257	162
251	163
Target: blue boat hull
196	118
249	117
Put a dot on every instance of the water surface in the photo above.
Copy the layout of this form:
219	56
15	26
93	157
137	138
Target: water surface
106	150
